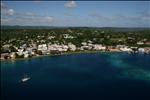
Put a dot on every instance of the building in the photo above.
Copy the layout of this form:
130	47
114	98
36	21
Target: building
72	47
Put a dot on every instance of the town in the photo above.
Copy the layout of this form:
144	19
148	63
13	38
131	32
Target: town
26	43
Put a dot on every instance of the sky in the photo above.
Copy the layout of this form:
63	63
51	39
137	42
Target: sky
76	13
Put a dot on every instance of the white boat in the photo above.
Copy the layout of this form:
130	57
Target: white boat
25	79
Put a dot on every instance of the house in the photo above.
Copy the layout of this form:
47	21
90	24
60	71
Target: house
72	47
65	47
147	50
5	56
126	49
85	47
23	46
147	43
99	47
84	43
51	37
56	47
6	46
34	46
20	52
140	43
120	46
52	47
141	50
13	55
43	48
26	54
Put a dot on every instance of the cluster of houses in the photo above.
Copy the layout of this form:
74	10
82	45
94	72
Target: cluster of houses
45	49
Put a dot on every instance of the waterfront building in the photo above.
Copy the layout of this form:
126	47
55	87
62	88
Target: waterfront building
72	47
12	55
126	49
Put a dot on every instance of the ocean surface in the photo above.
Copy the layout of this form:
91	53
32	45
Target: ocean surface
92	76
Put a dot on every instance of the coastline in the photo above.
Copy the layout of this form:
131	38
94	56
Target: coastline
65	53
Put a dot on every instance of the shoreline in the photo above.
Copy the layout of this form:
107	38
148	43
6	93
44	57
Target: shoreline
52	55
64	53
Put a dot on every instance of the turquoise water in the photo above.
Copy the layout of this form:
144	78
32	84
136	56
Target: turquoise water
95	76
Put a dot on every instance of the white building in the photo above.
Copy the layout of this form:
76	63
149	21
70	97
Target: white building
84	43
65	47
140	43
20	52
126	49
72	47
13	55
42	47
141	50
51	37
99	47
26	54
56	47
120	46
52	47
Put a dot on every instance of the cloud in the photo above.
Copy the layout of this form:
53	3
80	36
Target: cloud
49	18
5	11
11	17
141	20
70	4
10	12
26	18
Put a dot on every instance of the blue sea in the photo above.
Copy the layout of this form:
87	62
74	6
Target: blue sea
92	76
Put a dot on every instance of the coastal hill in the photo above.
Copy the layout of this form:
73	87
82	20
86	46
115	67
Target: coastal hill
121	29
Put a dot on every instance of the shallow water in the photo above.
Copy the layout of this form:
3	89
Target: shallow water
98	76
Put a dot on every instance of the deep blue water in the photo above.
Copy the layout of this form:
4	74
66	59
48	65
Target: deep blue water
98	76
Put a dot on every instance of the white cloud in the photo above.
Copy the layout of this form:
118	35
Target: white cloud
11	17
5	11
27	18
71	4
10	12
49	19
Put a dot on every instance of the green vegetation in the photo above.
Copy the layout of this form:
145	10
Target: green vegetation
110	37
